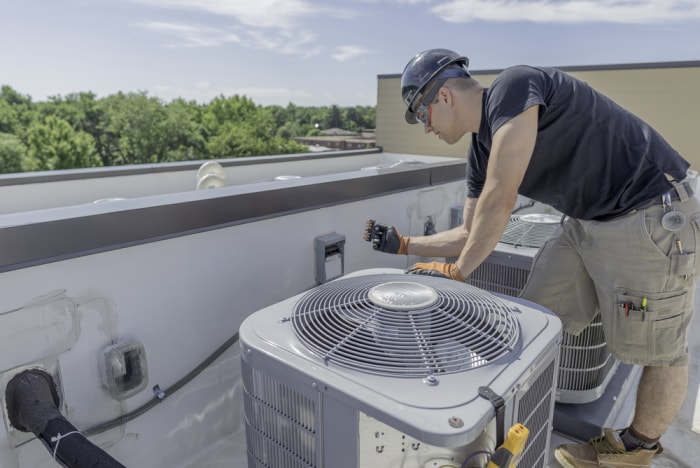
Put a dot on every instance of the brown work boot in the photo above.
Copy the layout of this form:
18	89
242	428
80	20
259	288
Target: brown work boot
606	451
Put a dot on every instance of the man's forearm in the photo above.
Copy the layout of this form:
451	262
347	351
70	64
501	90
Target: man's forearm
443	244
490	219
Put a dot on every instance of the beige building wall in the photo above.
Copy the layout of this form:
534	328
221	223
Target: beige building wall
666	95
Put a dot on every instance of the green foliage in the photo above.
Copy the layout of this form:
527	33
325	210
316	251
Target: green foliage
16	111
184	134
80	130
9	121
53	144
12	152
333	118
12	97
133	129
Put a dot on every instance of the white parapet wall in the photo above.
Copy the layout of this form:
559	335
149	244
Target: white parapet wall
178	273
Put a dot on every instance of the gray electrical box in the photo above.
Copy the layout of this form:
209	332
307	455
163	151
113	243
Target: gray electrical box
456	215
330	257
123	369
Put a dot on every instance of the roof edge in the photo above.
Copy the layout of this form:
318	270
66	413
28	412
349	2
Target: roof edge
617	66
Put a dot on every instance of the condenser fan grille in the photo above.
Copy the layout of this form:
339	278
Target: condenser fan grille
404	325
530	230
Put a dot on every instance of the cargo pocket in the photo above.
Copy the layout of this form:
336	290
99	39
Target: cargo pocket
684	261
648	327
683	265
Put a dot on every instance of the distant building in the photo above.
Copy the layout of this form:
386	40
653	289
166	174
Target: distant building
337	139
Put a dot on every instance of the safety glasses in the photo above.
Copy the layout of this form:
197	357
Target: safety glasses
424	111
424	114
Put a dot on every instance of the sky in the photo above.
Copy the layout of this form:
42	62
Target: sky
315	52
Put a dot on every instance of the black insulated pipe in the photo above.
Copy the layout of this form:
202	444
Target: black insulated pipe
32	406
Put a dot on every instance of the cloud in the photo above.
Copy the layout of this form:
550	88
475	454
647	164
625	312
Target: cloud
348	52
256	13
189	35
282	14
568	11
274	25
282	42
398	2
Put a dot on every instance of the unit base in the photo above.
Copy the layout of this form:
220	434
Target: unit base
584	421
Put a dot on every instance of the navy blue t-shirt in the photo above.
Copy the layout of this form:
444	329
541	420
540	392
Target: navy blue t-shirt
592	158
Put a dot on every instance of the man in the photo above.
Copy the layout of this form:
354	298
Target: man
626	248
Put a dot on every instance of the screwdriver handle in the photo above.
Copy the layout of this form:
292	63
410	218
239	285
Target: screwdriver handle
508	454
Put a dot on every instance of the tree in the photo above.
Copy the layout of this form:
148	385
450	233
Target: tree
240	128
235	109
279	114
352	119
17	112
134	128
12	97
53	144
333	118
233	141
12	153
287	131
9	123
132	131
183	132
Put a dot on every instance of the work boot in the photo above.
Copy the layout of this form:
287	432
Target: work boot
605	451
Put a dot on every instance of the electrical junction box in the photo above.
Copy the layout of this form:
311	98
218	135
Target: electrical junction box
123	369
330	257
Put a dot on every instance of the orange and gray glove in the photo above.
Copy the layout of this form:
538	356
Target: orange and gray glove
385	238
443	270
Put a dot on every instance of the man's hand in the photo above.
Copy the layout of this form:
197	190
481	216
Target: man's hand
386	238
443	270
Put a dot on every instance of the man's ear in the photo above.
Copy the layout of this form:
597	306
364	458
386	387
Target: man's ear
445	95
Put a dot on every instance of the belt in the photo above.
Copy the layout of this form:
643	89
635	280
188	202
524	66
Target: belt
675	195
671	195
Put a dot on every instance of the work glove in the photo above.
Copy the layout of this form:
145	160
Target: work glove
386	238
440	269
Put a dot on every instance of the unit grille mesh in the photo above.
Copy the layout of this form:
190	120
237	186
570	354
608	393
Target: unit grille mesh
463	329
501	279
529	230
280	423
585	360
534	411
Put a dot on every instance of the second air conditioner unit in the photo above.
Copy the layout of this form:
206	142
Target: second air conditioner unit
585	366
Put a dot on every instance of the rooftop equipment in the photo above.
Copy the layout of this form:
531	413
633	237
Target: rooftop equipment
379	368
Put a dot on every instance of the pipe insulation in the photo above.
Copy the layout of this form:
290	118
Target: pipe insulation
32	406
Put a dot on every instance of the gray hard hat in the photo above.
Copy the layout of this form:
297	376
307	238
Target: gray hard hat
422	69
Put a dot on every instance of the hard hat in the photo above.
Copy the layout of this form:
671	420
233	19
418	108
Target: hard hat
421	70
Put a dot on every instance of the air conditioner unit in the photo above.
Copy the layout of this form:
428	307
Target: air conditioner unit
585	366
383	369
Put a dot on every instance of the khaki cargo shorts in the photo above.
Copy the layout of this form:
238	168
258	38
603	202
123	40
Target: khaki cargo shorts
639	275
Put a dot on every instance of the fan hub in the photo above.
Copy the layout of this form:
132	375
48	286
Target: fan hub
402	295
